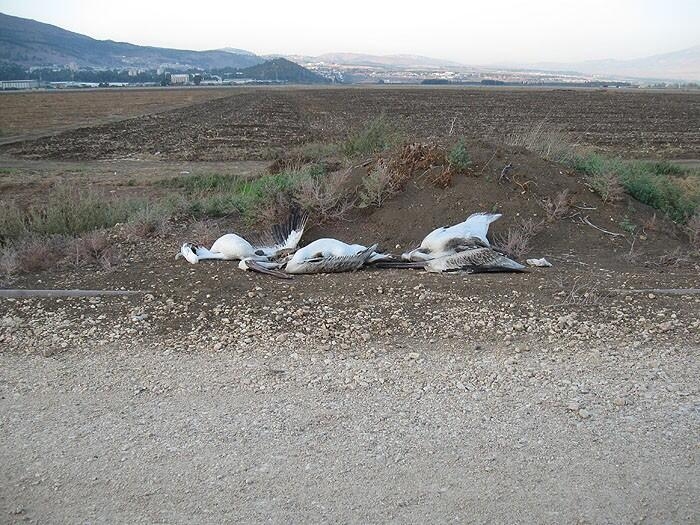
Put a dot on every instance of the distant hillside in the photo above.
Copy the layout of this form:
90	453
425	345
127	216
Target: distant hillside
390	61
236	51
678	65
283	70
30	43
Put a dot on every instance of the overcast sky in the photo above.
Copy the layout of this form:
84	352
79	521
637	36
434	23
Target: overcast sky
480	32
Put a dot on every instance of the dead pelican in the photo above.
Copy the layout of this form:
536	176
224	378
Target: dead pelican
450	240
332	256
282	240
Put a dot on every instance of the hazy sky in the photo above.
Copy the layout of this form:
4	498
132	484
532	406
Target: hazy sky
479	32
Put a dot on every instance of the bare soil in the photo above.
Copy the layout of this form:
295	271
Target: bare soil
32	114
250	123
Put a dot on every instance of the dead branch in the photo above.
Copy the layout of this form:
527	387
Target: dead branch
584	220
660	291
13	293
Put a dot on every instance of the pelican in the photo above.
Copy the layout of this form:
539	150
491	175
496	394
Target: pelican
282	240
451	240
332	256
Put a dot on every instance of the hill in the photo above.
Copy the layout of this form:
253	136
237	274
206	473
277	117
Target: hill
389	61
281	69
677	65
31	43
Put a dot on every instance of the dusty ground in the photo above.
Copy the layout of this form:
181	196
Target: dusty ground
563	395
29	114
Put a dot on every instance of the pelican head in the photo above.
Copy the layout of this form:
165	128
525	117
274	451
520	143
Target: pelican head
418	254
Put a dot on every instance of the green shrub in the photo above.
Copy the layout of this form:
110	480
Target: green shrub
458	157
377	135
661	185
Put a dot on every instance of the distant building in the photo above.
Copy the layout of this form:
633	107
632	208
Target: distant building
179	79
19	84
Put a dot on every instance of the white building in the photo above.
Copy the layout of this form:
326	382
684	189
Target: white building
19	84
179	78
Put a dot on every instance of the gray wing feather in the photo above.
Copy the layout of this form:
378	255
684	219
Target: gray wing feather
479	259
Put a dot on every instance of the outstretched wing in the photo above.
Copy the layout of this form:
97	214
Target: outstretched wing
283	237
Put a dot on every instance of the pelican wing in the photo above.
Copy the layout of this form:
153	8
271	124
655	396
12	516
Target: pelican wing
476	260
282	238
335	264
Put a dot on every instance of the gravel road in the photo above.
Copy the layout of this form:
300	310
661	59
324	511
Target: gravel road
596	424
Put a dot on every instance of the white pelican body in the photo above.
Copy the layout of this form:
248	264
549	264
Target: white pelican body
453	239
332	255
283	239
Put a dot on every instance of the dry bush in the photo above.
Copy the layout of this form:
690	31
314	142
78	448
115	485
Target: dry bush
442	178
294	162
692	229
325	196
204	232
147	222
675	259
94	248
378	186
650	225
41	253
585	290
516	241
9	261
551	144
413	158
607	185
558	207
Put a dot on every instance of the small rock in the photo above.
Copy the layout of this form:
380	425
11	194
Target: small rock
584	414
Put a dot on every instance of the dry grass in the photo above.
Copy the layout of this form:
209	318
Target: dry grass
584	290
558	207
607	186
94	248
325	197
549	143
204	232
147	222
378	186
692	229
516	241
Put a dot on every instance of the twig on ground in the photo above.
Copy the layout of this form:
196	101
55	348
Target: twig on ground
452	126
660	291
489	162
584	220
64	293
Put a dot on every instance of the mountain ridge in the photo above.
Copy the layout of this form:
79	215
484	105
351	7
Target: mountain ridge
31	43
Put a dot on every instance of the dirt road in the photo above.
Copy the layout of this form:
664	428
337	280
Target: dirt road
162	420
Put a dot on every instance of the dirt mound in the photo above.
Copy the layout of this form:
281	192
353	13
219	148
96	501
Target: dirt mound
551	200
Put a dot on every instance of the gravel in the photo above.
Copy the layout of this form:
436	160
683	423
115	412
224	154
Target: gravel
412	404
